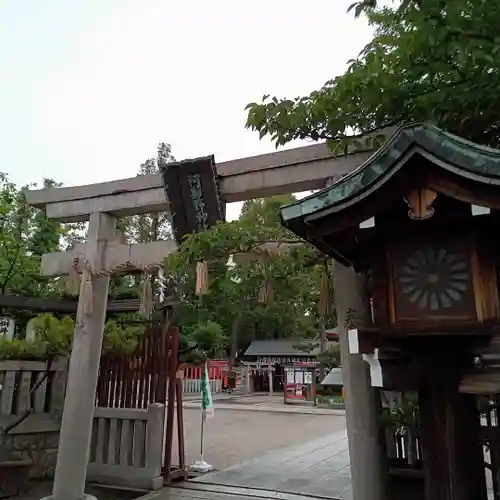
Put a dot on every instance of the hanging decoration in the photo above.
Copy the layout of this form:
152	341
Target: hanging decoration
325	298
146	303
266	292
73	281
420	202
201	278
86	292
80	282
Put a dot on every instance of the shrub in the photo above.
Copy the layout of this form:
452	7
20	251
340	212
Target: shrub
53	337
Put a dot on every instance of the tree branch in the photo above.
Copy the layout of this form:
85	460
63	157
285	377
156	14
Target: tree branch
12	264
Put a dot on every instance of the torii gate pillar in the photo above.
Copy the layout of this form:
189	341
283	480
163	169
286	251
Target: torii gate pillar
76	428
361	417
103	253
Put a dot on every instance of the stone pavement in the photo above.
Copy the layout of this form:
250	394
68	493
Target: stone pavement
309	457
319	468
208	492
316	469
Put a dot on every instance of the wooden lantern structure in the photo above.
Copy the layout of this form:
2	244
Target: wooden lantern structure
419	219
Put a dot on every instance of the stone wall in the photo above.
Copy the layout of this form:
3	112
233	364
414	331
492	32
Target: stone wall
40	448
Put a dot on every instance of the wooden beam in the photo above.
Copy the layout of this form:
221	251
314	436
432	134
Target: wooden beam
387	333
141	254
486	383
52	304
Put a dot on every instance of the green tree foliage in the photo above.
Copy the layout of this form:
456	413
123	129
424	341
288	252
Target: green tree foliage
54	337
25	235
266	212
367	5
330	357
435	60
209	338
143	228
233	298
154	226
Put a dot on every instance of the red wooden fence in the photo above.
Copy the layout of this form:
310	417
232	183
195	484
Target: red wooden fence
138	379
142	378
217	370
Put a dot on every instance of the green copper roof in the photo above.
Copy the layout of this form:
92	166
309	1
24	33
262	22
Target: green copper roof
448	151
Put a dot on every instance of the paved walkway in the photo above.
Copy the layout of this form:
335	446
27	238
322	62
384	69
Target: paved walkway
234	437
316	469
207	492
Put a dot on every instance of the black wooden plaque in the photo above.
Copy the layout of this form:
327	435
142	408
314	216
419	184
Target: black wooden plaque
191	186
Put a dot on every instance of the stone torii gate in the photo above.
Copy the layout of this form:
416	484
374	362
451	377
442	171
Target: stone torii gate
102	256
287	171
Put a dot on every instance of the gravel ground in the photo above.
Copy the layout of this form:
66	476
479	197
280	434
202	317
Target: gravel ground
233	437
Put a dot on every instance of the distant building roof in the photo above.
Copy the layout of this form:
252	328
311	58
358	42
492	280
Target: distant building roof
334	377
332	334
281	347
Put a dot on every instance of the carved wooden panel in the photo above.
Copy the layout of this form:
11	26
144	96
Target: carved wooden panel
432	281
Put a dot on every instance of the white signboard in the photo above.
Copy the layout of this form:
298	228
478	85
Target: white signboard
7	326
308	378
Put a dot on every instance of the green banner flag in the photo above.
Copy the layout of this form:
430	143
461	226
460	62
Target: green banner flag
208	407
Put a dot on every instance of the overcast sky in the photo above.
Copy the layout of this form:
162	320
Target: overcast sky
88	88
